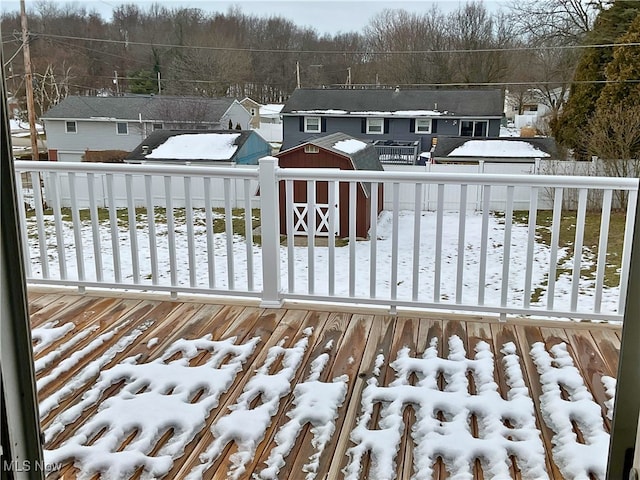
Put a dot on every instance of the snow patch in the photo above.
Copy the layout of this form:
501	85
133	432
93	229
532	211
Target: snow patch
199	146
497	148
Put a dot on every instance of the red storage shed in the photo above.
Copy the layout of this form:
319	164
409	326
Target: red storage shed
340	151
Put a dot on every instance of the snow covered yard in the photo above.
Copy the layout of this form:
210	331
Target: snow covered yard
228	267
166	389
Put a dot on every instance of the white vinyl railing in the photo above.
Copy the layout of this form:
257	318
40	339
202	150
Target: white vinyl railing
191	234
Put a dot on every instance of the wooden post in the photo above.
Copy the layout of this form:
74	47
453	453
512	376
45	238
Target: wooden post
28	82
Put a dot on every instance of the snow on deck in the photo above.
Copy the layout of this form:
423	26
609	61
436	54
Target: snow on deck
164	389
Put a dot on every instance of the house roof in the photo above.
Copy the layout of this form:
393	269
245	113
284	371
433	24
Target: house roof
406	103
495	148
149	107
190	145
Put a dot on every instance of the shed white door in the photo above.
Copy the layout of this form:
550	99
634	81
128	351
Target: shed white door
301	217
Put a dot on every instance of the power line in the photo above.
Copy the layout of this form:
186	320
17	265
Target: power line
343	52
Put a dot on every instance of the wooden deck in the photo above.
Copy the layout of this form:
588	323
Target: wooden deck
231	409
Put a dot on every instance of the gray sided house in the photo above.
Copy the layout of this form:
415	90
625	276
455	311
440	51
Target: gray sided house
391	116
79	126
220	147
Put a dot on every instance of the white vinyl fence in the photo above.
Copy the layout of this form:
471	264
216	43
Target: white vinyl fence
460	254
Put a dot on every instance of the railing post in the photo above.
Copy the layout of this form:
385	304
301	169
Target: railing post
270	231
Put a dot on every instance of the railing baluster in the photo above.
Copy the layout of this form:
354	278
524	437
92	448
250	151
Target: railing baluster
248	233
373	246
394	242
42	234
291	253
627	247
602	248
437	261
311	234
95	225
484	242
462	221
26	251
171	232
352	237
77	228
417	224
228	222
115	233
133	229
151	223
57	218
191	249
333	187
506	255
531	239
209	226
577	247
555	236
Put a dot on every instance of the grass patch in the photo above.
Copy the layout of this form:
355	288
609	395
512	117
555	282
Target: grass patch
566	239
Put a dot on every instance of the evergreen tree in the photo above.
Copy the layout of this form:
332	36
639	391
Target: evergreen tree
623	72
570	129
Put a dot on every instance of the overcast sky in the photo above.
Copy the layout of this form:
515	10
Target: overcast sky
331	16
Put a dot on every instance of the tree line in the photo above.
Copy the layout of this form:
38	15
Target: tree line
76	51
541	46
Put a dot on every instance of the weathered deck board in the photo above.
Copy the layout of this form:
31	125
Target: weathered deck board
351	343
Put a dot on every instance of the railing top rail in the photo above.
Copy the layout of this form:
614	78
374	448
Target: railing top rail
139	169
614	183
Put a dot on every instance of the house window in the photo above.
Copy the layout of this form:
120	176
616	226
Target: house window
253	112
122	128
157	126
470	128
312	124
423	125
375	125
71	127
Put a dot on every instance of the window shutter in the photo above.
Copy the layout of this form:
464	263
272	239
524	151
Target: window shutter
434	126
412	125
386	125
301	123
364	126
323	124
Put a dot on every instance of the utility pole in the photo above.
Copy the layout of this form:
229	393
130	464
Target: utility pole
159	87
349	76
28	82
115	82
298	73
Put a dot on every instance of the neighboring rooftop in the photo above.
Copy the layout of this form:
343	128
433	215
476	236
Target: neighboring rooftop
503	148
190	145
409	103
145	107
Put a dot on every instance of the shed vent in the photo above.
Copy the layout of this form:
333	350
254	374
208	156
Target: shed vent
311	149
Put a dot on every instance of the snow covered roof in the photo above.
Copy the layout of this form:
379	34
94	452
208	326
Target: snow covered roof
391	102
495	148
189	145
271	110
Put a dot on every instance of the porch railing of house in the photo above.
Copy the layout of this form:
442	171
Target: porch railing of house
399	153
190	235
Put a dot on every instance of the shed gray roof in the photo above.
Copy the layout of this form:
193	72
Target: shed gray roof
486	102
150	107
365	159
159	137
